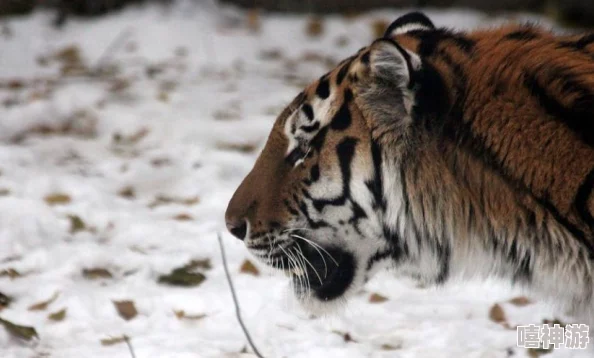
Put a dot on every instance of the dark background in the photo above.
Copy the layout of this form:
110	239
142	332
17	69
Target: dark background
568	12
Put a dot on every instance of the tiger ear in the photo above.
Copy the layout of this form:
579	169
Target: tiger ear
413	21
391	63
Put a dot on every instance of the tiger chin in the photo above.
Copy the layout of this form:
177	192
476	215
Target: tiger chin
439	154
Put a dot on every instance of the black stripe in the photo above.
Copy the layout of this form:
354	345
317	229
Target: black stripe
342	118
308	111
583	196
430	41
409	19
342	73
579	116
311	128
314	173
375	185
345	152
580	44
522	35
323	89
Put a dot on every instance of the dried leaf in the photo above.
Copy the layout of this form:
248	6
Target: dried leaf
274	54
314	26
389	347
183	217
554	322
248	267
163	96
113	340
96	273
9	272
537	352
166	200
57	199
346	336
58	316
4	192
183	277
342	41
127	192
76	224
238	147
253	20
201	264
496	314
126	309
377	298
378	27
44	304
23	332
181	314
520	301
4	301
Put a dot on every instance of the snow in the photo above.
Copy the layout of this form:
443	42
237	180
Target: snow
198	86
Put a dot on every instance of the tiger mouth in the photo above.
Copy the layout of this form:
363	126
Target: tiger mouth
325	272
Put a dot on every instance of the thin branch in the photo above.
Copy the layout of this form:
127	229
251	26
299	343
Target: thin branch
130	348
235	302
111	48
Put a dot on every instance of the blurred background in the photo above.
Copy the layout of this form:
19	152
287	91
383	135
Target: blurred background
126	126
577	12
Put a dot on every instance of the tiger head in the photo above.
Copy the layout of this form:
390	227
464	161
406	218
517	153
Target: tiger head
313	205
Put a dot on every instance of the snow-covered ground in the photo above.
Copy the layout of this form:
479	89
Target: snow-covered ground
110	180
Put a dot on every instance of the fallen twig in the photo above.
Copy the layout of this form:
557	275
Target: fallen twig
111	48
130	348
235	302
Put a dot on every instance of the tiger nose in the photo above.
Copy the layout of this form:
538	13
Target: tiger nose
237	227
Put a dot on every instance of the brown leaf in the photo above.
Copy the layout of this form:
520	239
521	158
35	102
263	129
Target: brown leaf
76	224
249	268
314	26
377	298
23	332
57	199
389	347
496	314
10	272
253	20
163	96
378	27
201	264
4	301
58	316
114	340
342	41
238	147
520	301
127	192
44	304
537	352
346	336
126	309
96	273
167	200
274	54
183	277
181	314
183	217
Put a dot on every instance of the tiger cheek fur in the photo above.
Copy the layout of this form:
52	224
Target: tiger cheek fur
440	154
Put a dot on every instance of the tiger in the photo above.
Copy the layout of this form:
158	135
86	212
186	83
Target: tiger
439	154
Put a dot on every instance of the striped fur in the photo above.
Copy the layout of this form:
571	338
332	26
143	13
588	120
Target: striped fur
441	154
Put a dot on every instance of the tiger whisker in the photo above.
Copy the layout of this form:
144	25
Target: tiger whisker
316	245
318	250
310	265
